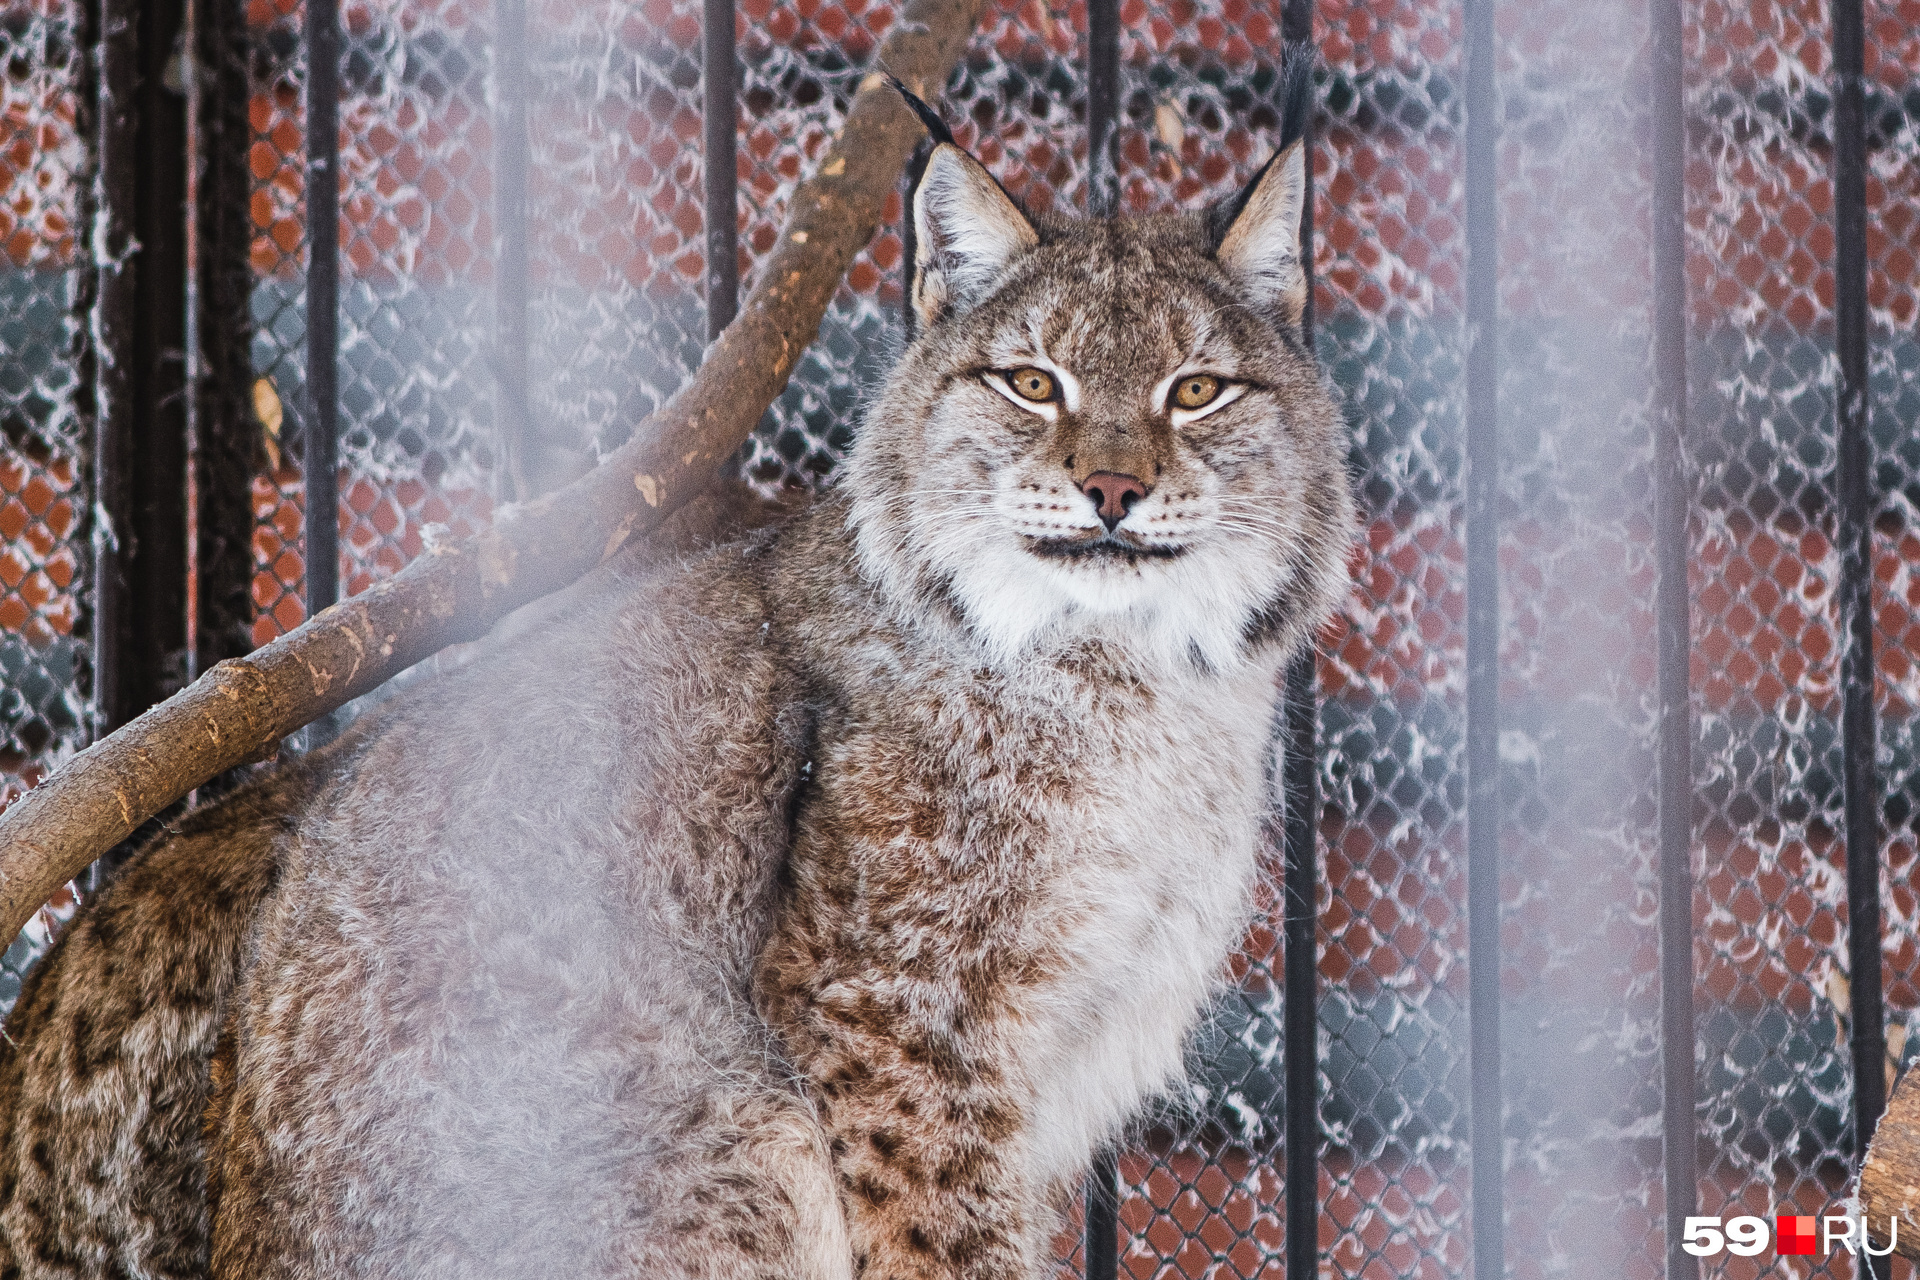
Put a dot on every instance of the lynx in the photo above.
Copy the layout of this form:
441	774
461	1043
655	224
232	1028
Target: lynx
812	906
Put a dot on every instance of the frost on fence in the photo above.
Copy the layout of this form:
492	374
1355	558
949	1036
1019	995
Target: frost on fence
1893	301
43	449
1580	1030
416	257
1390	228
615	250
1771	926
617	322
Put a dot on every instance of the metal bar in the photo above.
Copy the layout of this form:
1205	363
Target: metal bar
1866	1018
194	406
522	477
1483	634
102	303
323	303
1103	111
132	373
1102	1246
1301	976
227	430
1674	630
157	382
137	319
1296	28
107	355
1301	972
1103	105
721	171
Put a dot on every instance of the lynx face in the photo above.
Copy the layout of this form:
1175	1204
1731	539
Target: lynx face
1108	428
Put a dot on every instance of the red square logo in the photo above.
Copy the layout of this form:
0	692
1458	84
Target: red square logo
1793	1233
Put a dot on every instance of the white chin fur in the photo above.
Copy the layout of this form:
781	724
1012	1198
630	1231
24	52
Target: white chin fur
1164	611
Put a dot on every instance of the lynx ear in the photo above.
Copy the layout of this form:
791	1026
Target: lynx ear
966	230
1259	240
1256	233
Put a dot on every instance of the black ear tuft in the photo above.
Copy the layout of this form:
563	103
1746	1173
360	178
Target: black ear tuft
936	127
1296	112
1296	93
910	264
963	229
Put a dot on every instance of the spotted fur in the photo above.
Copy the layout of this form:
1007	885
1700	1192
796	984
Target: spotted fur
811	907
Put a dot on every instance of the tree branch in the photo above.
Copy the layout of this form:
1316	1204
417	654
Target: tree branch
1890	1176
241	709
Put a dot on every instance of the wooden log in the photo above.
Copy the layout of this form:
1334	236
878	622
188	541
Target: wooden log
1890	1176
241	709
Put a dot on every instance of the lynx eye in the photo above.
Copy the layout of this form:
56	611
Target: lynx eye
1031	384
1195	392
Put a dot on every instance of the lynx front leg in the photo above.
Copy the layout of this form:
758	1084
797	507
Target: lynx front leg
928	1144
748	1195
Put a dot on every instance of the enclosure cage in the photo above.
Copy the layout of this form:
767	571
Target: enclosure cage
1615	739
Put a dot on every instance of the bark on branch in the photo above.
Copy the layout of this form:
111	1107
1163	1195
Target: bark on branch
239	711
1890	1177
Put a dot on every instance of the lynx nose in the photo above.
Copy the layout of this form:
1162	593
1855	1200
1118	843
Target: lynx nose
1114	494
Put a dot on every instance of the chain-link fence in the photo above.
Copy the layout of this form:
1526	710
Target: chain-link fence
613	279
1393	924
43	482
1580	1023
1776	1089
